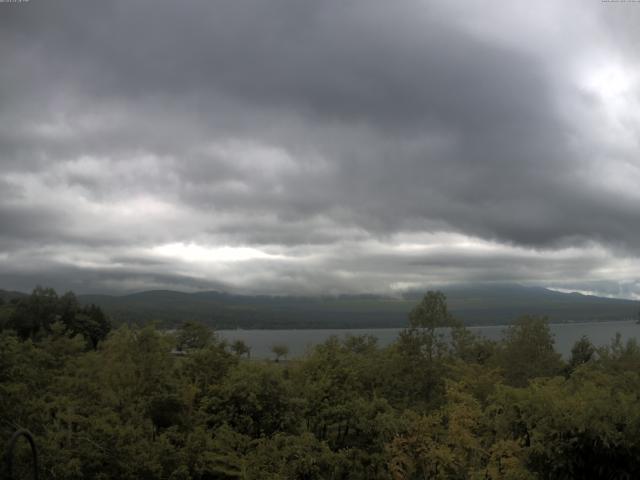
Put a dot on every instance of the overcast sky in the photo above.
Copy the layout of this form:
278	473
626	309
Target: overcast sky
334	146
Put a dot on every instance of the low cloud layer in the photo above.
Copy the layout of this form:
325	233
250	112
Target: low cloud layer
319	147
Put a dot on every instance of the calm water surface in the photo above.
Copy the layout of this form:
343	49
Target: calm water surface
300	341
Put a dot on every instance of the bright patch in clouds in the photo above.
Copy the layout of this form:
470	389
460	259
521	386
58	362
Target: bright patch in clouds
191	252
610	81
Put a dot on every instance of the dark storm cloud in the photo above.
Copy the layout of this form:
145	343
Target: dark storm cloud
283	124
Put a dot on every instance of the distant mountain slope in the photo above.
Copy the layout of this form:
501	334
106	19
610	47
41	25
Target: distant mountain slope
475	305
7	295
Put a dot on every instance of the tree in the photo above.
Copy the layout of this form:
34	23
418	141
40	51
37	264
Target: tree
582	352
92	324
431	312
240	348
254	399
470	347
36	313
6	311
207	366
291	456
443	444
528	351
280	351
583	426
165	410
193	335
68	308
421	337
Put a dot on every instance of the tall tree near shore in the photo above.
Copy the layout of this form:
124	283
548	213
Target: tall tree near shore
240	348
528	351
431	313
193	335
280	351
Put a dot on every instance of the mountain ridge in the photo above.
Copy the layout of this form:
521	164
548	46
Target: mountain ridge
473	304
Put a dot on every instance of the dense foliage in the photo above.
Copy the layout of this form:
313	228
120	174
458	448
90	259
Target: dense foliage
143	403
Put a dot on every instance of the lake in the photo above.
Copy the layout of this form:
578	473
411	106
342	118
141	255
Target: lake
299	341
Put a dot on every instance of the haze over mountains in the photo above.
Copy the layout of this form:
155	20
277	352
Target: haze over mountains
473	304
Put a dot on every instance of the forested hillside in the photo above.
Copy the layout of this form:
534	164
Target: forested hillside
139	403
472	304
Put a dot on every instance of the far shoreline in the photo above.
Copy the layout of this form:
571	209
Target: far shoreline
493	325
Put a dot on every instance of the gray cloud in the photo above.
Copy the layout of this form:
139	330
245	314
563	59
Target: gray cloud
331	128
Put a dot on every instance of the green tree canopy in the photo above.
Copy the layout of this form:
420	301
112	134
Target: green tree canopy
528	351
240	348
431	312
280	351
193	335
